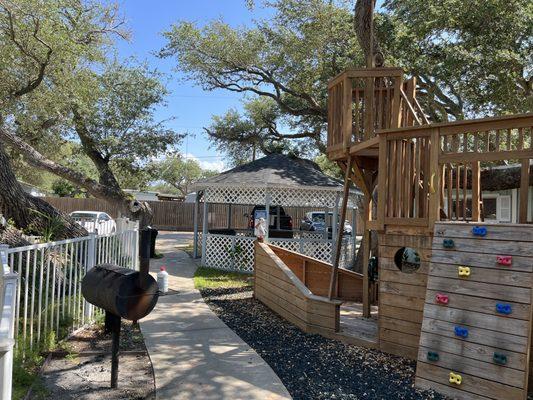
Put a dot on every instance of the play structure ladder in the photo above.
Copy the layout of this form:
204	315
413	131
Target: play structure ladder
476	330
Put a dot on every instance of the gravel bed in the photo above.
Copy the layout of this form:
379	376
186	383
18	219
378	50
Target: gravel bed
311	366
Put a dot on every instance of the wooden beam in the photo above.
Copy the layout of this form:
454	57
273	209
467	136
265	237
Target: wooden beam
492	156
524	191
338	244
476	192
383	174
434	178
347	112
366	256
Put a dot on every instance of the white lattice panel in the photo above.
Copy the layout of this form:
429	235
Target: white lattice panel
319	249
236	253
235	195
278	196
233	253
287	244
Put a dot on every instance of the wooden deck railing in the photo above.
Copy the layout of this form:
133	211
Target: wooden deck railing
393	104
422	166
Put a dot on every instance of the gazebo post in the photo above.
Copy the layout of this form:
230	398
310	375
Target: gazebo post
326	223
204	229
195	219
267	208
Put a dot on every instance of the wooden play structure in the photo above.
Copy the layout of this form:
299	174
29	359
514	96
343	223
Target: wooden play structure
453	290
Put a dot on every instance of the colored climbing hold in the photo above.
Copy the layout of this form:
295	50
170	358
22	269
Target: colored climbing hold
448	243
499	358
433	356
461	332
479	231
441	298
463	271
504	260
455	378
504	308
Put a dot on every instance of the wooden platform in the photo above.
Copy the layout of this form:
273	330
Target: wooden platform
472	308
354	325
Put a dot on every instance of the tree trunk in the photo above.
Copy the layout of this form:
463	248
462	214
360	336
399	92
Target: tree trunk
128	207
363	21
29	213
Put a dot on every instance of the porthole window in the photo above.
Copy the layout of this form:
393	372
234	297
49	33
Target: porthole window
407	260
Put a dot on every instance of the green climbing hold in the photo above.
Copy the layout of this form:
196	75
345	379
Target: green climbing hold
433	356
499	358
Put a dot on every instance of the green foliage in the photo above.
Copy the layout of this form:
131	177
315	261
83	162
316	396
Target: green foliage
286	60
209	278
179	173
64	188
328	167
26	375
53	224
472	57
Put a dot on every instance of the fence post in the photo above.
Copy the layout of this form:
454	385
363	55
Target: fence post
90	264
8	284
135	247
204	230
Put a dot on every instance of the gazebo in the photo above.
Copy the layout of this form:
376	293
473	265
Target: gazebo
274	180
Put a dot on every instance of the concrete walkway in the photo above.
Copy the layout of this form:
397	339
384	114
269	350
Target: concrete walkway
194	354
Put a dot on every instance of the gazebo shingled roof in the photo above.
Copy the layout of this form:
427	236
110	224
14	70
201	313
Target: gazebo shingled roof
275	170
288	180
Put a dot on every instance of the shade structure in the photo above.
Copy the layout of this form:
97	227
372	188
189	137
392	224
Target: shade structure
286	180
274	180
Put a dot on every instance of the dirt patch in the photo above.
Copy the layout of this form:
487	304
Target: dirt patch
83	370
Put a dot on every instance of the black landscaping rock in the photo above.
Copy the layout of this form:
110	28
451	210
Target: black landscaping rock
311	366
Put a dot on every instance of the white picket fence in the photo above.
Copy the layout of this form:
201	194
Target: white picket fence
49	303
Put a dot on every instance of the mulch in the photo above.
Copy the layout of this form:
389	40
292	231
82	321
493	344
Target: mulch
311	366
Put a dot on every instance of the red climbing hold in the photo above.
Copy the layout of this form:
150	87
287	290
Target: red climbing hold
441	298
504	260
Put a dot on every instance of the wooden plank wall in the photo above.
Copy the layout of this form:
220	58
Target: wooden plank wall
276	286
472	305
401	295
174	215
316	275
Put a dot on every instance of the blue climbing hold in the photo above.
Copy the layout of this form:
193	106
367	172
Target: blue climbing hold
461	332
503	308
479	231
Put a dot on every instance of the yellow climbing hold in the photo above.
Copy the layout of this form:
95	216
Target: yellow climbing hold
455	378
464	271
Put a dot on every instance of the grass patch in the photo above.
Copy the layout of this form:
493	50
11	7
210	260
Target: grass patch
208	278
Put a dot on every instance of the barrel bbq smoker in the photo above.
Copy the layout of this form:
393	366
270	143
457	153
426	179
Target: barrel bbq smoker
122	293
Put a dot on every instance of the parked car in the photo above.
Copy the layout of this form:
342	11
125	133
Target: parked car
314	221
95	221
283	230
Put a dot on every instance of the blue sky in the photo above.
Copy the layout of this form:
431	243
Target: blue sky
191	106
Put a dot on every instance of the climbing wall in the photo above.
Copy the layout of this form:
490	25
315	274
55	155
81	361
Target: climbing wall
476	327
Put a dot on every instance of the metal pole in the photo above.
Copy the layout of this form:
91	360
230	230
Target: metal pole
346	194
115	344
195	221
